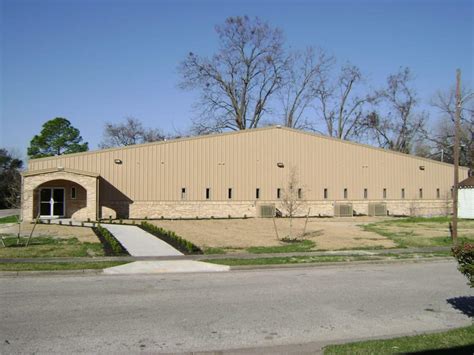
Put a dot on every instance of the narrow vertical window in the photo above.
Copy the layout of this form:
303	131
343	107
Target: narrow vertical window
403	193
208	193
73	193
183	193
300	193
452	192
345	193
421	193
384	193
229	193
366	193
438	194
325	193
278	193
257	193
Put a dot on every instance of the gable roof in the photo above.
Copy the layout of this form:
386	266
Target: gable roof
59	170
210	136
467	183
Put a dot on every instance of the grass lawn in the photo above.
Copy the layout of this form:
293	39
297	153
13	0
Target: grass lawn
322	259
458	341
288	260
420	232
293	247
49	247
58	266
9	219
211	250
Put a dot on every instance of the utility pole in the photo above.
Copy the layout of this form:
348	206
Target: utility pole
456	157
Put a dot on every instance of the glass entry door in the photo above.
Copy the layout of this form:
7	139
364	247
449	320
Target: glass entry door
52	202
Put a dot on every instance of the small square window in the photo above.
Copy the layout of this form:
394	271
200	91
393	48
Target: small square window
229	193
325	193
257	193
73	193
345	193
208	193
278	193
183	193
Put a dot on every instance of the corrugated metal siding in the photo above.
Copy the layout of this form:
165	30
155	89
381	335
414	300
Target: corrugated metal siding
248	160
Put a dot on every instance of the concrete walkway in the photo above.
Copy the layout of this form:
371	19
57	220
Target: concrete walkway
140	243
134	239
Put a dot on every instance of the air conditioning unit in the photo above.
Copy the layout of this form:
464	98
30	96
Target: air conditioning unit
267	211
377	209
343	210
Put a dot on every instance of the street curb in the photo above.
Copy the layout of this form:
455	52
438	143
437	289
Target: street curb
51	272
338	263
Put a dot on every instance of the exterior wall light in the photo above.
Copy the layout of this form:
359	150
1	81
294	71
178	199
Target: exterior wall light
118	161
280	165
422	167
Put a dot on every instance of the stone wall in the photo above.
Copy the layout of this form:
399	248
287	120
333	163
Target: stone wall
223	209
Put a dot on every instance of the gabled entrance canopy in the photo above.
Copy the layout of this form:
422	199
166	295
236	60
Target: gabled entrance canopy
60	192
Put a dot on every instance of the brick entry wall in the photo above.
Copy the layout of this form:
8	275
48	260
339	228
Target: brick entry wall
82	208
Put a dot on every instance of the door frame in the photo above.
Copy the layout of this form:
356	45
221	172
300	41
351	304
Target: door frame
52	204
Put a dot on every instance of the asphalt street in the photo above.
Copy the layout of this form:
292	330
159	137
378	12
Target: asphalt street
10	212
305	307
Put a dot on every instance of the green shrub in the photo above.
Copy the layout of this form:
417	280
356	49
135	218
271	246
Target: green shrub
170	237
111	245
464	254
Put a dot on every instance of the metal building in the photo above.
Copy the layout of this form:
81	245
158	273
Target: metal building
235	174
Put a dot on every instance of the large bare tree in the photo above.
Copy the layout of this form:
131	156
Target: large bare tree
442	136
395	124
302	81
340	102
238	81
129	132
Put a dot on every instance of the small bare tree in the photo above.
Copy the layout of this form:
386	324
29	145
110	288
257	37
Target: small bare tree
292	198
237	82
129	132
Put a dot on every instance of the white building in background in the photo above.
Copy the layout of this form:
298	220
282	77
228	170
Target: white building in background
466	198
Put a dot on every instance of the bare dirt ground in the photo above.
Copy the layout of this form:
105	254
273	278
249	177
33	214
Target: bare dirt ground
83	234
327	233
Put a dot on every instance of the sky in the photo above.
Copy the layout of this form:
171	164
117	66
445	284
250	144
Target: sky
97	61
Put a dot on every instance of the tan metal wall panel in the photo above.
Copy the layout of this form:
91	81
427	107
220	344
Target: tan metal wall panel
248	160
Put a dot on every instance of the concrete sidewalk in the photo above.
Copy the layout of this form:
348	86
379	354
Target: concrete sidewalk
140	243
166	266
